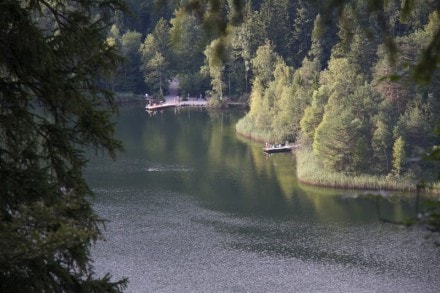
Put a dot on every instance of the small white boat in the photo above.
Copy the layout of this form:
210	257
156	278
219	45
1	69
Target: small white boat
279	148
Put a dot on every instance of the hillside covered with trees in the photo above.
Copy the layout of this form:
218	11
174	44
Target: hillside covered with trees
350	101
343	86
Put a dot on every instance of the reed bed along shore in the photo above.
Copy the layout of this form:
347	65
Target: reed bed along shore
246	129
310	171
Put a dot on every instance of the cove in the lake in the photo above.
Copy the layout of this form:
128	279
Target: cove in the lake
194	208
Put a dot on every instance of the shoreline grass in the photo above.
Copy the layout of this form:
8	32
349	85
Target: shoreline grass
311	172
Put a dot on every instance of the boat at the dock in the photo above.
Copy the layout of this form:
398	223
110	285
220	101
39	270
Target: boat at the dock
279	148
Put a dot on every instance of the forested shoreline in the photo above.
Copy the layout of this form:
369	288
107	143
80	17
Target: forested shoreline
336	87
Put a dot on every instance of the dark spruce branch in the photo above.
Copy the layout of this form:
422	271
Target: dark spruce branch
52	107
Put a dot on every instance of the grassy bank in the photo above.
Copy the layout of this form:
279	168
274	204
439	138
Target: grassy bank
247	129
310	171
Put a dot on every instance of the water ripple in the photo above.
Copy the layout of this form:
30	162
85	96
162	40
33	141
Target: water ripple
166	242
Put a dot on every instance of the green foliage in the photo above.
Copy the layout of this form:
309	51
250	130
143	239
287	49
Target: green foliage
52	106
215	65
192	84
156	67
214	102
343	138
186	36
311	171
155	55
313	114
398	156
130	44
286	121
161	33
381	143
257	123
149	48
264	62
131	77
333	142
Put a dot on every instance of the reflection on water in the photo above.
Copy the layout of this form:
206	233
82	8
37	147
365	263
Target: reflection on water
193	208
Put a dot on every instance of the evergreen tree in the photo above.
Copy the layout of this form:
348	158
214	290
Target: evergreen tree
264	62
346	121
386	83
161	34
256	100
156	73
398	156
315	55
130	44
290	103
52	107
382	142
258	28
187	42
263	116
333	140
303	25
342	139
413	126
148	48
313	113
132	78
241	48
114	41
216	57
258	122
280	27
155	52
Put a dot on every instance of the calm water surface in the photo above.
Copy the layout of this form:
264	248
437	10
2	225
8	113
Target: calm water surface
194	208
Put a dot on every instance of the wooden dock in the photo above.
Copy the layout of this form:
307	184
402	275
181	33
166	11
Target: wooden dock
172	104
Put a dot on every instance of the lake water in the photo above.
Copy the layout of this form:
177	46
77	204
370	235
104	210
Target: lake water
194	208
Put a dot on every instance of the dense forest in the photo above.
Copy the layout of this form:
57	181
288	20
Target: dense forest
342	88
